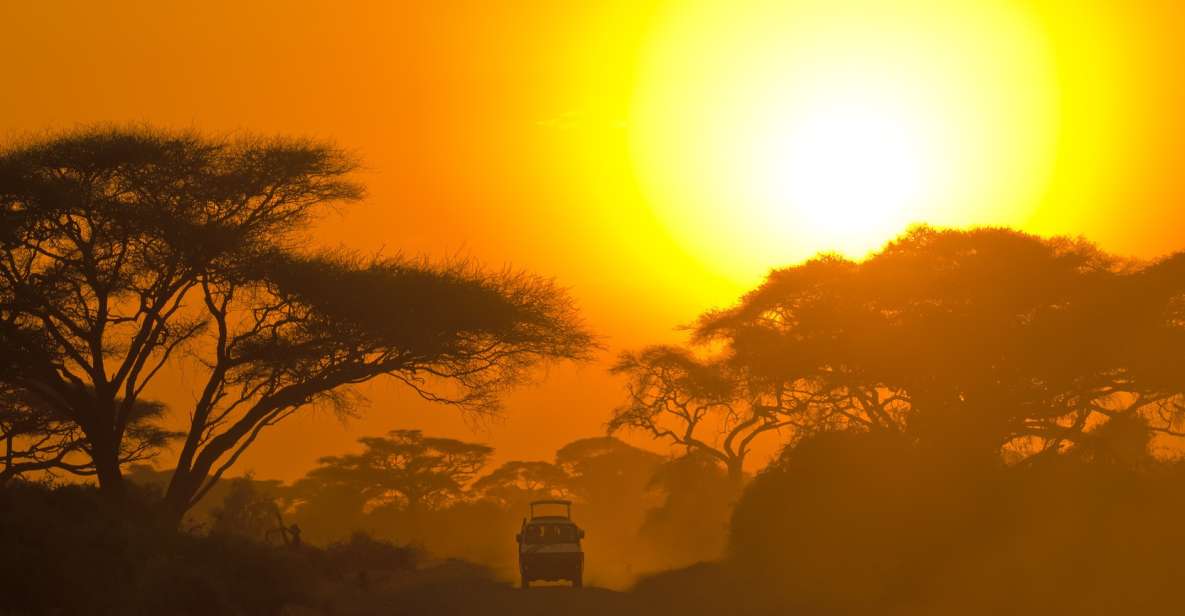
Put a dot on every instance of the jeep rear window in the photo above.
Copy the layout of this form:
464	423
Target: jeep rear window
550	533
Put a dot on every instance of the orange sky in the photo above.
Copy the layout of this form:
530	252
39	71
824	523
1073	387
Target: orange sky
502	132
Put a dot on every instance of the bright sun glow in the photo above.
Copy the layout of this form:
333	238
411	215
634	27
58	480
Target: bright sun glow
843	164
765	131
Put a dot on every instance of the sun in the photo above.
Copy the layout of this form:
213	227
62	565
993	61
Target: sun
763	132
842	164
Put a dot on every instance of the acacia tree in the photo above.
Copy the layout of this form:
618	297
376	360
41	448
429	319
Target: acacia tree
519	482
37	440
601	469
705	405
33	440
975	342
405	468
126	251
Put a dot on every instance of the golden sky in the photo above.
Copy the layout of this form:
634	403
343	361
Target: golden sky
655	157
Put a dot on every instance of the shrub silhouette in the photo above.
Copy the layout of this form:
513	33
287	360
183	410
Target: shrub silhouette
869	523
691	525
69	551
363	552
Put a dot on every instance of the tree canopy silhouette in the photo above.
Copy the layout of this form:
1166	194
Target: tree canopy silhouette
707	405
38	439
406	469
249	510
516	483
600	467
124	247
690	525
974	342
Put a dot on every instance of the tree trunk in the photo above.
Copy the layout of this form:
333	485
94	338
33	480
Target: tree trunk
182	487
8	456
107	471
736	471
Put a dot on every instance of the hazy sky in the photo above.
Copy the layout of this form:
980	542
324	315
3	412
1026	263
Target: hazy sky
614	144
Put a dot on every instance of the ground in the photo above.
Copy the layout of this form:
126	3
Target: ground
454	587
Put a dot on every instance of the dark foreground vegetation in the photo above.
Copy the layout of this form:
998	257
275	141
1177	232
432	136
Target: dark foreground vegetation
843	523
972	422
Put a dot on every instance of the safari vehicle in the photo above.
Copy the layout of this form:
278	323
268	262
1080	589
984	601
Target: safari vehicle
549	546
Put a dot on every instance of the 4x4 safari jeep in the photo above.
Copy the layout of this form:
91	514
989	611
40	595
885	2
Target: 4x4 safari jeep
549	546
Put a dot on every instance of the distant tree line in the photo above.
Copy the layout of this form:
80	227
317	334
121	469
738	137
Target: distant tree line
642	511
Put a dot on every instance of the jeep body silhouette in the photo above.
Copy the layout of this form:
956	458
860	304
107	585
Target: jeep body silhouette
549	546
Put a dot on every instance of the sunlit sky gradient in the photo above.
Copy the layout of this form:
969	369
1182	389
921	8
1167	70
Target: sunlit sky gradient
655	157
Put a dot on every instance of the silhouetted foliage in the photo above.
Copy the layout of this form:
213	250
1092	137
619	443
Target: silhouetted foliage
848	520
38	439
124	247
474	517
601	466
34	440
691	523
971	416
248	511
68	551
516	483
971	342
404	469
327	511
405	486
361	551
707	406
971	420
1124	441
869	523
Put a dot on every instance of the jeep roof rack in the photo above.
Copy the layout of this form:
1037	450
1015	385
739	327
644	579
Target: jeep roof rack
563	503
